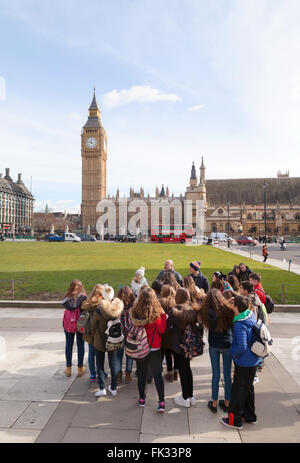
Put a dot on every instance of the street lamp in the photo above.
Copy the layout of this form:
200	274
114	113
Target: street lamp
265	205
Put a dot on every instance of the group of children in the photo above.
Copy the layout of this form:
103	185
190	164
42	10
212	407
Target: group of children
172	307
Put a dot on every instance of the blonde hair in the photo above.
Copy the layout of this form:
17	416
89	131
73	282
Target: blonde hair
147	306
95	297
195	293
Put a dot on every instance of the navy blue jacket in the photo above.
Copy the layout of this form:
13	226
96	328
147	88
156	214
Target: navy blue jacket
216	339
242	338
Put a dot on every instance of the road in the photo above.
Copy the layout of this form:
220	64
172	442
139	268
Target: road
292	251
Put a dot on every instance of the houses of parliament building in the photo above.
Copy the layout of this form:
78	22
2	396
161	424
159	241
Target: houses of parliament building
230	205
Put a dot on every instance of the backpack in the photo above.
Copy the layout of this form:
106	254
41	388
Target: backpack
269	304
261	340
70	320
136	344
114	335
84	323
192	341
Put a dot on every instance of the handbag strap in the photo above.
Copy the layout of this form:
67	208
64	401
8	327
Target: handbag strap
153	337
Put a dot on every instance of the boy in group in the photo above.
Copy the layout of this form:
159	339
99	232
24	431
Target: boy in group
242	401
255	279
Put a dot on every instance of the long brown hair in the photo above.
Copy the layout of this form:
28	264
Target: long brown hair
189	284
167	299
147	306
234	282
95	297
126	295
169	279
216	301
75	288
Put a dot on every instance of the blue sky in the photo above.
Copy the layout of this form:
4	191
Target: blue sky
175	80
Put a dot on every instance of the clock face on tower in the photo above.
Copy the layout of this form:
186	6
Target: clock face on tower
91	142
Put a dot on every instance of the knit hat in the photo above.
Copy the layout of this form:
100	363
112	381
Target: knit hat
141	272
108	292
195	265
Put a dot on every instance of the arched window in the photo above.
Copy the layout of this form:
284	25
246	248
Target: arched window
220	211
297	216
249	217
214	228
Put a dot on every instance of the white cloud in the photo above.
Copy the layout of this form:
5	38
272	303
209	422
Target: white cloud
137	94
74	116
62	205
196	107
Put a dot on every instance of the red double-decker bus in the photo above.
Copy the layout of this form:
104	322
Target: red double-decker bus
178	234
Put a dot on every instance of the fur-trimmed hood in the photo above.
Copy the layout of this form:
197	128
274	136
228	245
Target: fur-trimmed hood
111	309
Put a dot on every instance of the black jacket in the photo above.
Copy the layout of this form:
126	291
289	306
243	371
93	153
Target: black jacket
245	275
201	281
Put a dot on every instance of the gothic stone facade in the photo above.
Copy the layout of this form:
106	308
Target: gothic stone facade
234	205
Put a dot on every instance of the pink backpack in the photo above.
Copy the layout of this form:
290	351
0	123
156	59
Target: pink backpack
70	320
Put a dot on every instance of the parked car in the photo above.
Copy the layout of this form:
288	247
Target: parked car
246	240
87	237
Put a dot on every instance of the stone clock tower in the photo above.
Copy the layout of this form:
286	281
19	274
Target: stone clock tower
94	156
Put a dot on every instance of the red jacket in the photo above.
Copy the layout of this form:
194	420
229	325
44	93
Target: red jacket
259	290
160	327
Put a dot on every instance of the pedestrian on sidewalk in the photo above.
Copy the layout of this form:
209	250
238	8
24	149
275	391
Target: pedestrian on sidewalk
126	295
217	317
72	302
168	303
265	253
182	316
242	400
106	308
148	312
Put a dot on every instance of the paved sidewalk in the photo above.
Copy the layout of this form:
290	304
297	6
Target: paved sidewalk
294	268
39	404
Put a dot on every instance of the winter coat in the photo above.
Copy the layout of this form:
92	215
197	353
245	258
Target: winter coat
219	340
166	337
136	287
179	318
105	311
242	338
177	275
157	328
90	308
244	276
259	290
200	281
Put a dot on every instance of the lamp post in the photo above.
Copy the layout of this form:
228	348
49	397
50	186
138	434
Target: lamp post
228	243
265	207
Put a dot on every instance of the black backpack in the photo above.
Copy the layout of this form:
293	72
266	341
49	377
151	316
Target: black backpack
269	304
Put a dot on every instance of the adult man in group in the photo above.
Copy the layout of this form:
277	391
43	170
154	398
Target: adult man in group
169	267
200	280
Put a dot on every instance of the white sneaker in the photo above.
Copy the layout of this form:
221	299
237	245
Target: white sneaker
112	391
256	380
182	402
193	400
100	393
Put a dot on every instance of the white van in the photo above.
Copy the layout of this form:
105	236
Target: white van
221	237
71	237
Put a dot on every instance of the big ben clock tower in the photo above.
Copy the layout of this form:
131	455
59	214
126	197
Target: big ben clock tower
94	156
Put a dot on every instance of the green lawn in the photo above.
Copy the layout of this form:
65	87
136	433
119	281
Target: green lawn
44	270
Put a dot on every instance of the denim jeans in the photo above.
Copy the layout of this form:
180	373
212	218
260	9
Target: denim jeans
91	361
214	354
113	365
129	361
154	361
69	348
